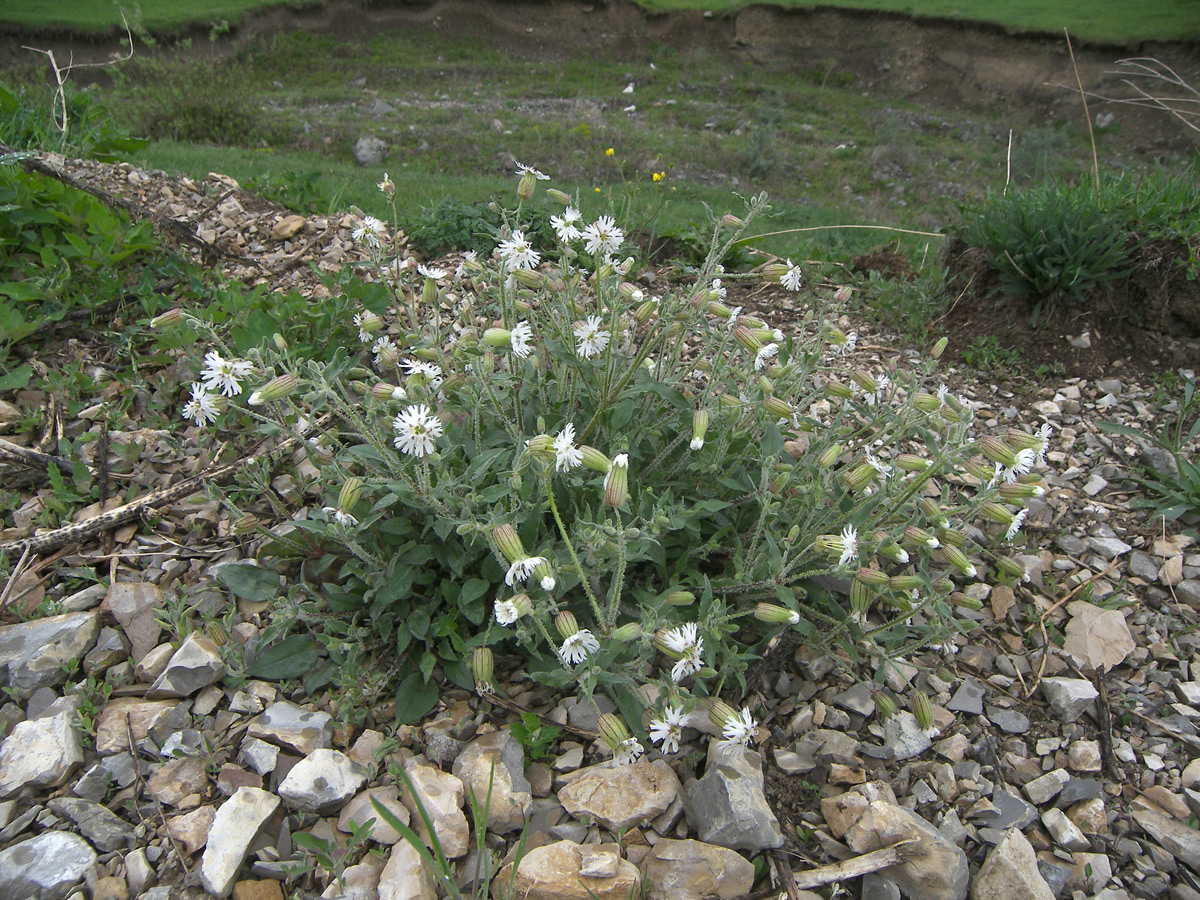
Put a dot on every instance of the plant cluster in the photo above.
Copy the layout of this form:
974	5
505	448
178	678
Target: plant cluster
637	490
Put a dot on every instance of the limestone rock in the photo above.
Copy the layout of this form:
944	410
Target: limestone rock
288	227
406	876
935	869
621	797
41	752
178	779
361	809
234	828
904	736
191	829
1176	838
124	715
32	653
554	872
369	151
133	604
693	870
106	831
496	762
1011	871
442	796
322	782
196	664
728	807
360	882
1069	698
289	725
47	866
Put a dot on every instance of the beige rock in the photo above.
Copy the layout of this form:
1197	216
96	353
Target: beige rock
191	829
495	763
361	809
288	227
1163	800
153	663
1098	638
263	889
1191	774
842	811
132	604
359	882
1091	871
1084	756
1088	816
442	796
124	715
935	869
406	876
178	779
41	752
1011	872
692	870
553	872
620	797
233	830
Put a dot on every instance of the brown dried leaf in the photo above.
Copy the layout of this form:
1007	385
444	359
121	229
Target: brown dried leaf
1098	638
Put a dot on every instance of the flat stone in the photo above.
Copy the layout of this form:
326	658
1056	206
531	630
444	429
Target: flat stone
322	782
693	870
104	829
33	654
1077	789
406	876
442	796
934	868
904	737
1108	547
553	872
1044	789
1011	812
362	809
1069	698
968	698
178	779
1089	816
41	753
1084	756
843	810
191	829
234	829
288	227
727	806
361	882
493	768
288	725
195	665
128	714
258	756
856	700
1176	838
1091	871
47	867
1011	872
1008	720
1064	832
621	797
133	605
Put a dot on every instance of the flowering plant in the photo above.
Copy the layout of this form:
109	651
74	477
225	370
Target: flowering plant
634	486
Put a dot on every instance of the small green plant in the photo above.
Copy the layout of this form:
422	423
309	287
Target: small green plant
537	738
326	856
93	694
988	354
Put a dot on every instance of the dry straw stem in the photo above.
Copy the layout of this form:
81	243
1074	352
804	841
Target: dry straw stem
1185	108
1087	116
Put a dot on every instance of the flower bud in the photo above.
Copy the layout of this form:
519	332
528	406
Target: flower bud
863	379
381	390
1022	440
169	319
860	599
530	278
216	633
1021	490
729	220
910	462
630	631
350	494
829	456
775	615
872	577
483	669
774	271
922	710
510	545
950	414
843	294
976	469
997	451
778	408
860	477
544	573
765	385
643	313
994	512
965	601
359	387
720	712
500	338
838	391
558	196
275	389
926	402
729	401
720	310
933	512
616	482
680	598
905	583
884	705
247	524
767	335
280	342
914	536
955	557
943	586
939	348
388	356
793	533
1010	568
566	624
699	428
594	459
541	447
526	185
952	537
745	337
612	730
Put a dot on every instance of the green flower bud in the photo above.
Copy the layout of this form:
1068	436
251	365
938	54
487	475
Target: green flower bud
275	389
500	338
720	712
838	391
699	428
952	536
729	220
643	313
720	310
884	705
997	451
616	483
829	455
566	624
1010	568
905	583
778	408
860	477
955	557
994	512
630	631
680	598
860	599
612	730
510	545
558	196
863	379
530	278
541	447
917	537
872	577
350	494
775	615
910	462
965	601
594	459
169	319
746	339
922	710
933	512
483	669
381	390
1021	490
526	185
793	533
939	348
926	402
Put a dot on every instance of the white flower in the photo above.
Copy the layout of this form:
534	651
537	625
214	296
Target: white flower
878	465
567	455
461	269
734	315
669	729
565	227
506	612
431	371
342	518
518	253
369	232
620	461
1043	434
519	339
384	345
627	752
603	238
739	730
361	319
1023	465
765	355
720	290
1015	527
523	169
223	374
849	545
697	443
592	338
791	278
521	569
685	641
202	407
415	428
431	271
851	343
548	582
578	647
942	391
387	186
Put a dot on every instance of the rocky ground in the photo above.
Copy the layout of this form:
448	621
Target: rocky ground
1064	759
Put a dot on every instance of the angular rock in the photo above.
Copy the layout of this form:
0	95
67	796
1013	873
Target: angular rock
359	882
1069	698
934	869
195	665
46	867
1098	638
442	796
178	779
362	809
1008	720
1044	789
621	797
288	227
106	831
968	698
904	736
41	752
322	782
191	829
1011	871
128	714
139	874
554	872
728	807
288	725
33	654
406	876
111	648
496	763
1064	831
1176	838
258	756
842	811
234	828
693	870
133	605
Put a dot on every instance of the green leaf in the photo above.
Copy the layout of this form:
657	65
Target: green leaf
414	698
250	582
16	379
290	658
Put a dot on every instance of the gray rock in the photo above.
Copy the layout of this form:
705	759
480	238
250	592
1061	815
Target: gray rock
1108	547
1142	565
1008	720
584	714
1056	874
175	781
359	882
492	767
1013	812
441	794
968	698
322	782
1011	871
904	737
33	654
41	752
692	870
406	876
234	829
879	887
1069	698
1176	838
39	701
370	151
1189	591
727	806
133	605
380	107
934	869
289	725
1077	789
103	828
856	700
139	874
47	867
362	809
1065	833
111	648
195	665
1046	788
621	797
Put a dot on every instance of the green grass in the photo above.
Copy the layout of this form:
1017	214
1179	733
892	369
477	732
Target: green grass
1112	21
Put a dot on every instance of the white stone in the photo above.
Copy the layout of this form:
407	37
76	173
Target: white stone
1065	833
406	876
233	830
41	752
442	796
46	867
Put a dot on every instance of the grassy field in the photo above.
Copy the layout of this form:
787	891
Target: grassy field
1113	21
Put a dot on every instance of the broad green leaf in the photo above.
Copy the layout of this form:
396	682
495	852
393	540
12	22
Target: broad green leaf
250	582
290	658
414	698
